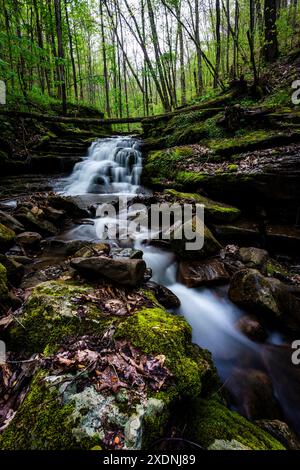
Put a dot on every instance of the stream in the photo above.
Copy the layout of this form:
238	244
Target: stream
112	170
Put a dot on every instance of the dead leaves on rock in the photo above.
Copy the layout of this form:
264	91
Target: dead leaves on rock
119	366
111	300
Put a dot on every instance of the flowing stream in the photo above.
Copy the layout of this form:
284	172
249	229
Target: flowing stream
113	167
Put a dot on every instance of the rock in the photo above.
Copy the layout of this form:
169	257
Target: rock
241	233
3	285
283	238
35	222
29	240
208	421
253	257
7	237
222	444
59	403
15	270
179	242
21	259
54	215
214	211
70	205
264	296
250	326
126	253
281	431
124	271
10	222
252	394
94	249
164	295
285	372
202	273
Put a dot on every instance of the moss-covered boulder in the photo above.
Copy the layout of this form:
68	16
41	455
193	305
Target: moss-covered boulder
214	426
189	248
69	402
7	237
213	210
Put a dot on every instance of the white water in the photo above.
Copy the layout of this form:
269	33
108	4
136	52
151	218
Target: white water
113	165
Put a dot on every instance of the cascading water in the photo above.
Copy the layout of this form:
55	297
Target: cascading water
113	165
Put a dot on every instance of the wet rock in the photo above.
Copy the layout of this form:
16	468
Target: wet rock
250	326
35	221
7	237
54	215
126	253
265	296
281	431
123	271
15	270
188	248
93	249
70	205
202	273
252	393
164	295
21	259
63	247
253	257
29	240
9	221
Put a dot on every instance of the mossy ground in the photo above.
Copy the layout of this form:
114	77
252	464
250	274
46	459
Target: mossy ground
3	282
7	237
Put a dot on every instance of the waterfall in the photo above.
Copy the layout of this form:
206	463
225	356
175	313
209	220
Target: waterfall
112	165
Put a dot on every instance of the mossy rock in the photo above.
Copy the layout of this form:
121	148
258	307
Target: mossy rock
210	421
7	237
42	422
214	211
3	283
51	314
83	414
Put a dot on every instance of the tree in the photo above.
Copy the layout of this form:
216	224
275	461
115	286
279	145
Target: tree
271	41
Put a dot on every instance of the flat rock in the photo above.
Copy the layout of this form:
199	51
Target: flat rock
201	273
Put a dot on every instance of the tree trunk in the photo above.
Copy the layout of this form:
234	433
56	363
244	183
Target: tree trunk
271	41
57	5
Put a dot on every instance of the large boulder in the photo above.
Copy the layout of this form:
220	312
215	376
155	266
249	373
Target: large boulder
114	365
7	237
213	426
124	271
264	296
202	273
